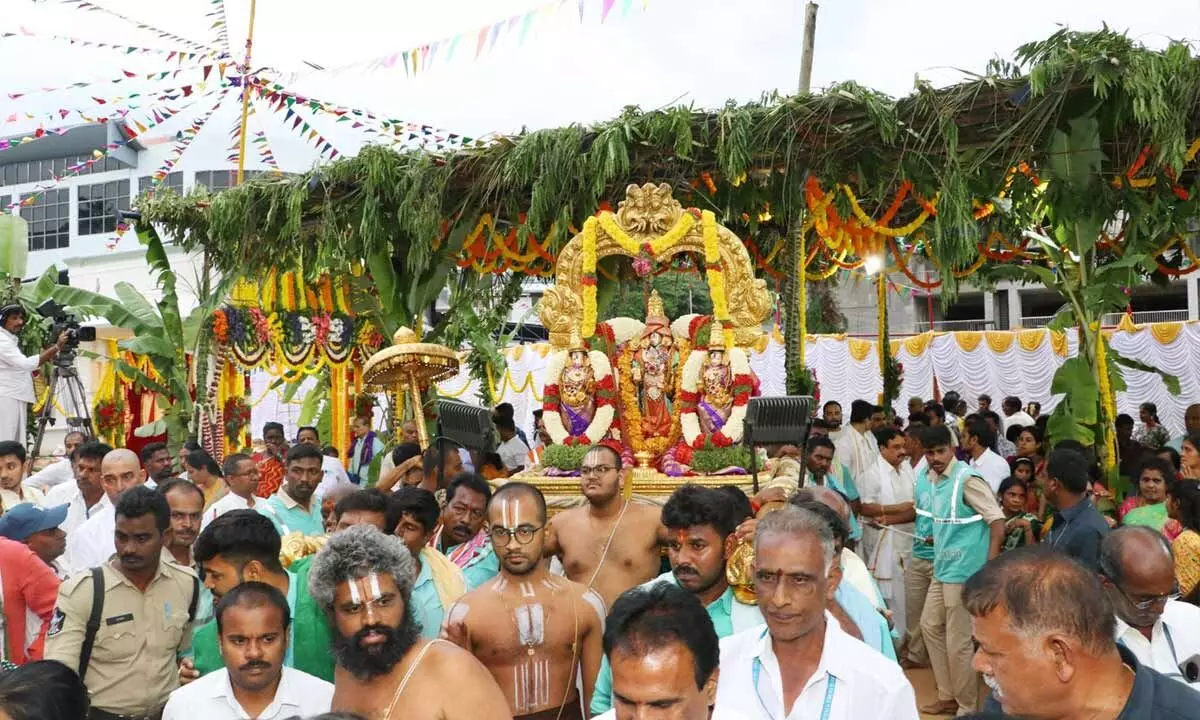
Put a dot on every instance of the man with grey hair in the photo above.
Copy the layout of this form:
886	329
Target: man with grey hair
1137	570
801	663
1044	637
363	581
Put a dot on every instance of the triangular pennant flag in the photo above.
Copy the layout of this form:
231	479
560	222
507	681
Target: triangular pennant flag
453	46
495	35
479	41
605	9
580	4
625	9
526	23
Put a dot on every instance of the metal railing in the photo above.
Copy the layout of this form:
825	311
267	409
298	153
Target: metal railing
952	325
1112	319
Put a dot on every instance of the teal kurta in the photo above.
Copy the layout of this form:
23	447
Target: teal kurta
288	516
426	606
481	568
727	614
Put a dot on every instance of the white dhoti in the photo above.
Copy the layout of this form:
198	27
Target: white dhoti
893	546
13	419
892	555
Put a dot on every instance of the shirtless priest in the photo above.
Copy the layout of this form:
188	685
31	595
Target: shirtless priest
610	544
363	581
532	630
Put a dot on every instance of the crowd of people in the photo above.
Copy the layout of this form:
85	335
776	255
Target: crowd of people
410	583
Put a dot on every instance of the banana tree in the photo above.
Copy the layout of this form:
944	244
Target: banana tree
1073	208
161	333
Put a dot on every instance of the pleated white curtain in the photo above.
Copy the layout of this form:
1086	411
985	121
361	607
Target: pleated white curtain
1020	363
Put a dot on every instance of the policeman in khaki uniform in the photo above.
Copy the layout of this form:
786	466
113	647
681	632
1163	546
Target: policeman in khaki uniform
142	624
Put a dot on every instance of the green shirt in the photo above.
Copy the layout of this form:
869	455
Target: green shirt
481	568
309	638
288	516
720	611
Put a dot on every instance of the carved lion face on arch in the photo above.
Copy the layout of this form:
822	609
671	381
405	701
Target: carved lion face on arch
649	209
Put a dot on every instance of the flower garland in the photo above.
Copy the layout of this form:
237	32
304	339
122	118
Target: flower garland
606	395
655	247
689	401
631	410
110	418
298	338
588	281
715	275
1107	403
236	414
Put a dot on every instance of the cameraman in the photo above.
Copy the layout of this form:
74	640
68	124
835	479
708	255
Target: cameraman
16	379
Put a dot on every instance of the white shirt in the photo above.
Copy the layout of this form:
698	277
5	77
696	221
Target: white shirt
77	510
11	499
335	475
1181	623
865	684
890	486
993	468
228	502
92	542
1019	418
856	450
723	714
513	452
211	698
53	475
16	368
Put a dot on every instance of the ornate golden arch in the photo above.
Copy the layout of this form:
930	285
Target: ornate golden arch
647	213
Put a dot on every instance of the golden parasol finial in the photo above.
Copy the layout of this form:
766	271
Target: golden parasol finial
411	365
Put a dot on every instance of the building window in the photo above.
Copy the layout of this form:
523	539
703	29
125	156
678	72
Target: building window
98	205
49	220
218	180
174	181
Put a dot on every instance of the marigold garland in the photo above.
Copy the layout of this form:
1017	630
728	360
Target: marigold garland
716	275
659	245
588	281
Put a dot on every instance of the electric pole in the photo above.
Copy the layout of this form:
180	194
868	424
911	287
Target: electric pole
810	39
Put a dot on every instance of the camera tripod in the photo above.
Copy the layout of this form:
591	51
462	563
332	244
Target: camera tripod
64	384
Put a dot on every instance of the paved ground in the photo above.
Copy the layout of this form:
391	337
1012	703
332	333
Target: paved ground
922	682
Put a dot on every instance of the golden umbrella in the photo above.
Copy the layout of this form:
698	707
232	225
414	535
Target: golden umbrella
411	365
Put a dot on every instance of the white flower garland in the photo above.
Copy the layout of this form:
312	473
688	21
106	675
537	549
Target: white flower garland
739	364
603	418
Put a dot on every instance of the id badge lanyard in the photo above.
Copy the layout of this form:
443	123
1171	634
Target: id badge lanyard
826	705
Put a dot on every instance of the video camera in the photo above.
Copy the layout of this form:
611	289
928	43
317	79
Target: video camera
68	323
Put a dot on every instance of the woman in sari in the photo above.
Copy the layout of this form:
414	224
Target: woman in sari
1149	507
1152	434
1020	527
1183	505
1031	446
1189	457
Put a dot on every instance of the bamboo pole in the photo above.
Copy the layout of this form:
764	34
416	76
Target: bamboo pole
241	170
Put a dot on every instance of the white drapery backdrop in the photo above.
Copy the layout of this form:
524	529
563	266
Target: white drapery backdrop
1019	362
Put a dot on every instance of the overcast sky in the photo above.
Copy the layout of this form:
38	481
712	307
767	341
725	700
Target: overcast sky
662	52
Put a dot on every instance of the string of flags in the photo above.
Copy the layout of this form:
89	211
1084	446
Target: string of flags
189	134
93	7
517	28
128	76
220	24
121	105
281	99
56	180
178	55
